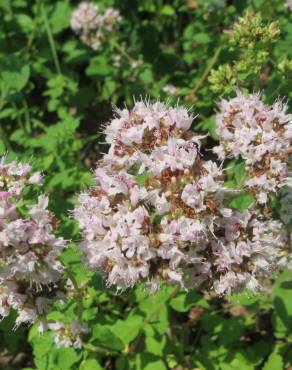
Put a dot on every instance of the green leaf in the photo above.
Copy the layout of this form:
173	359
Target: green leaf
65	358
155	343
128	329
168	10
241	202
231	330
25	22
282	296
148	361
209	126
90	364
146	75
98	67
42	345
274	362
14	75
239	173
141	178
109	89
60	16
184	301
202	38
104	337
212	323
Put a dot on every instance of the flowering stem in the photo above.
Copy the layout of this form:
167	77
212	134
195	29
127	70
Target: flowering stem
78	291
122	51
207	71
27	117
50	39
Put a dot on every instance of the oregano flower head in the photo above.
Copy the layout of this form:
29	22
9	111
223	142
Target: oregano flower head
159	210
91	25
259	134
30	272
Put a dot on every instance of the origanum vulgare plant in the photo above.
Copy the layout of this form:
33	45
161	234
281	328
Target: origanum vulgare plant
162	210
159	213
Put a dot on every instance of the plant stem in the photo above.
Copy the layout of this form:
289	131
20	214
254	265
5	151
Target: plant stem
34	27
27	117
51	39
122	51
5	138
3	135
78	293
207	71
92	348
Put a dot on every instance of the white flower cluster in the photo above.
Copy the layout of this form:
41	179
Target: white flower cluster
259	134
158	211
30	272
91	26
68	335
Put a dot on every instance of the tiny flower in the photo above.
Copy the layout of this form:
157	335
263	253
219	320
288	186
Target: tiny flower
170	89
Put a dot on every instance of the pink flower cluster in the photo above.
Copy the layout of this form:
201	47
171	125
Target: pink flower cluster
259	134
91	26
158	211
30	272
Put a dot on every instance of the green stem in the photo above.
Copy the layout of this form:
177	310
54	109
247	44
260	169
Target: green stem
51	39
207	71
27	118
79	294
34	27
3	134
92	348
122	51
5	138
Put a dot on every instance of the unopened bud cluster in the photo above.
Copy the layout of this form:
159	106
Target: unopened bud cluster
159	212
91	26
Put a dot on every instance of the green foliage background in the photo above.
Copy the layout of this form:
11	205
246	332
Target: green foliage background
55	93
